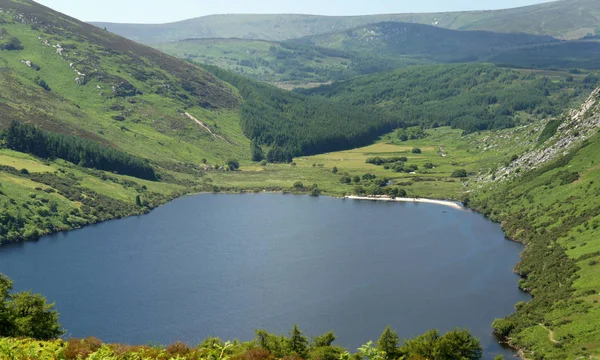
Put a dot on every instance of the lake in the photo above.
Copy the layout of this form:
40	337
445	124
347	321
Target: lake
224	265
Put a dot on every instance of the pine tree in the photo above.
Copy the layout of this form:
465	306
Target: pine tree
388	342
298	342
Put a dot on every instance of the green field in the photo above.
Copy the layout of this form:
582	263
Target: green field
461	152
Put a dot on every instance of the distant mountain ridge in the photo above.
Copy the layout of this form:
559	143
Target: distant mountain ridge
397	38
565	19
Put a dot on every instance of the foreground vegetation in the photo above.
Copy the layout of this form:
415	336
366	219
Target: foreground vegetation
28	317
456	344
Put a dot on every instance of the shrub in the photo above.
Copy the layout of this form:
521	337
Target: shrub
254	354
233	164
298	185
503	326
345	180
42	83
462	173
81	349
12	45
416	151
177	349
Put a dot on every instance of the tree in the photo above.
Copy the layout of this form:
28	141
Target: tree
298	342
233	164
424	346
138	201
334	170
26	315
462	173
428	165
367	177
5	318
459	344
388	343
33	317
356	179
416	151
359	190
257	152
371	352
324	340
298	185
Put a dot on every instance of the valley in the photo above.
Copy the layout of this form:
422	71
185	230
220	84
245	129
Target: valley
498	110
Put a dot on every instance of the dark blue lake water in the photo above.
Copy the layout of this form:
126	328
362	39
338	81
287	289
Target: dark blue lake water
224	265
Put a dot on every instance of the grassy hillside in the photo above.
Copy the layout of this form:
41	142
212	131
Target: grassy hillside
554	210
471	97
111	90
391	39
283	64
566	19
133	105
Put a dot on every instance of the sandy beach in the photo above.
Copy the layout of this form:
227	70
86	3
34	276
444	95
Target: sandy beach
428	201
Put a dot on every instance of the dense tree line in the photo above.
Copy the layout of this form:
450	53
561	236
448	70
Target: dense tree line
29	139
456	344
471	97
293	124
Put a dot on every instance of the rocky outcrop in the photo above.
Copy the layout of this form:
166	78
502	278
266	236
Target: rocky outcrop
577	126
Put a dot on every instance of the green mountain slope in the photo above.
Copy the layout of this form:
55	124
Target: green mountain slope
566	19
131	108
471	97
550	203
109	89
391	39
283	64
100	107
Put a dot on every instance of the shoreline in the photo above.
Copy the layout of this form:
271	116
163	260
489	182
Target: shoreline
448	203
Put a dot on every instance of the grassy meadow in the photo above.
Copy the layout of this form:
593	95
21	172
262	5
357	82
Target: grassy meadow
444	147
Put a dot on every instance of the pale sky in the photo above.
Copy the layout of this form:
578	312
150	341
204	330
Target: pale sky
153	11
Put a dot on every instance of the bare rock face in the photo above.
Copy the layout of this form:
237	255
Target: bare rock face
579	125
